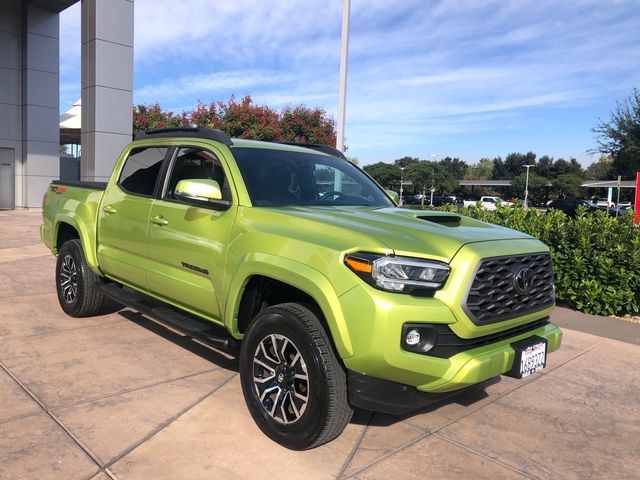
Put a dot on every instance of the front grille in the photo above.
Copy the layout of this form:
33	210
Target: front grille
496	295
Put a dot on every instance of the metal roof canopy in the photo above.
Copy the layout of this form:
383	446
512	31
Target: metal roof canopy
485	183
588	183
608	183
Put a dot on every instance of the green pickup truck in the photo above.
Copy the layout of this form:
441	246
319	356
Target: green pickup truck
293	258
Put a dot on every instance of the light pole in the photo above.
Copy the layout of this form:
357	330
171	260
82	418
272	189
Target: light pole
433	186
526	187
433	189
344	58
401	182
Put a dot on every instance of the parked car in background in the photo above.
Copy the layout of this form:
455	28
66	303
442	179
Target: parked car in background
489	203
537	203
570	206
410	200
603	202
439	201
624	209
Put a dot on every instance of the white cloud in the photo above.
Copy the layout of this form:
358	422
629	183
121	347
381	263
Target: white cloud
207	84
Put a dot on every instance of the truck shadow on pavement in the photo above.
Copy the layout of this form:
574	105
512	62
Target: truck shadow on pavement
226	360
466	398
217	357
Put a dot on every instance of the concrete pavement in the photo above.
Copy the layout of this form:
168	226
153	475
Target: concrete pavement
117	396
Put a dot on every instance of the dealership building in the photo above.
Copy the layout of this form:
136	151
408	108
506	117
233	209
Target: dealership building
29	93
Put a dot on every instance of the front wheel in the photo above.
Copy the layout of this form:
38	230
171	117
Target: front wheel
292	381
75	282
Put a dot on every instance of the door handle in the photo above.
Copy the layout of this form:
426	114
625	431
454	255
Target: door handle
160	221
109	209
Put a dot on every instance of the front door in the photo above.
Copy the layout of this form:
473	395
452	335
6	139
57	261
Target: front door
123	218
7	179
187	244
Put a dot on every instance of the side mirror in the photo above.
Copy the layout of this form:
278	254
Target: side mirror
201	193
394	196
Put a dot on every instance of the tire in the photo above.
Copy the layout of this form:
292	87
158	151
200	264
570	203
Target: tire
74	282
310	412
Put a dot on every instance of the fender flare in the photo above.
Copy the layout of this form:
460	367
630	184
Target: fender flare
87	240
298	275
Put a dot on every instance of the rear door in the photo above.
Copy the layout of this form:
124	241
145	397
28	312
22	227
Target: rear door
188	244
123	218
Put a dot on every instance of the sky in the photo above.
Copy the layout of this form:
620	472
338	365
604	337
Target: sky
466	79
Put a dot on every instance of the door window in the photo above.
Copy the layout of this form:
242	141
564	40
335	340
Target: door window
141	169
196	163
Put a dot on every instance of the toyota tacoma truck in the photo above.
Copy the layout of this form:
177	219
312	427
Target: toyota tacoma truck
332	297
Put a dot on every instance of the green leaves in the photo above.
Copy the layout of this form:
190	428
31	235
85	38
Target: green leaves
619	138
596	258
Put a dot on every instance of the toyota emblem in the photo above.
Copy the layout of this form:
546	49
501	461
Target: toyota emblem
522	280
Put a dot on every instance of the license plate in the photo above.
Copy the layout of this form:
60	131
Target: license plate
531	356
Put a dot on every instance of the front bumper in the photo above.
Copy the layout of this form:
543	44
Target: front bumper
465	369
376	334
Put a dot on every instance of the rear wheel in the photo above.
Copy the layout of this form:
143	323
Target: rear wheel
75	282
292	381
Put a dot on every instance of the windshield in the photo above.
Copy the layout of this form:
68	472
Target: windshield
280	177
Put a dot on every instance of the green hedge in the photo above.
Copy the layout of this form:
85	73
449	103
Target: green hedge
596	257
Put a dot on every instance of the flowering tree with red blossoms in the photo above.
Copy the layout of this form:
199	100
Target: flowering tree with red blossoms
244	119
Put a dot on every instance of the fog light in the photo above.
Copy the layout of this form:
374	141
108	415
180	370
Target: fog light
412	338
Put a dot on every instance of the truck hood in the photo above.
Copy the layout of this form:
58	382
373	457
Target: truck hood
438	235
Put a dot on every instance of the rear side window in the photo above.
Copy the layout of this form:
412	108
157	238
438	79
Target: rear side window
141	170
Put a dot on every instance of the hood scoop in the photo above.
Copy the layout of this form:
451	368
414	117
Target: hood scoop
447	220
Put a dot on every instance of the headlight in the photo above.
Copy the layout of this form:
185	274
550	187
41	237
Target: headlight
398	274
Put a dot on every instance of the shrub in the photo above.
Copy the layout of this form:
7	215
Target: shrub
596	257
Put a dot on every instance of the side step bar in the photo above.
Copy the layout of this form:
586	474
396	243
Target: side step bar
184	322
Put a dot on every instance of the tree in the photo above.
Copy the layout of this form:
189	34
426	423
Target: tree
563	167
481	170
454	166
307	125
244	119
204	116
499	170
544	168
149	117
619	138
387	175
602	169
423	176
514	163
404	162
537	185
426	175
568	185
